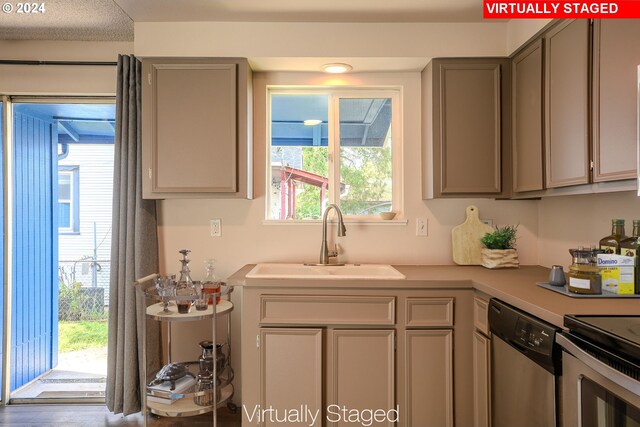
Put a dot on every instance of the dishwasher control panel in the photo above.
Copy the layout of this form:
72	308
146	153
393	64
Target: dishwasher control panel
534	336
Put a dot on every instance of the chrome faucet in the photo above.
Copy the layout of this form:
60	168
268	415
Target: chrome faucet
325	254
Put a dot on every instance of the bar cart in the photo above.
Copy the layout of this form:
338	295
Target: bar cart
161	394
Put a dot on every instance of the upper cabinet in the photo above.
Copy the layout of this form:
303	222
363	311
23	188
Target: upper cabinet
567	104
464	149
526	73
196	128
615	78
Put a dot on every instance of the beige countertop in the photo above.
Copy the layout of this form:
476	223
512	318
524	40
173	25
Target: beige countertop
513	286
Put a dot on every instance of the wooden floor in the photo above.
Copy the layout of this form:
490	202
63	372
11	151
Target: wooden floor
99	416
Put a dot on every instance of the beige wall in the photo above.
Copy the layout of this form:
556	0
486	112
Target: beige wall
570	221
247	239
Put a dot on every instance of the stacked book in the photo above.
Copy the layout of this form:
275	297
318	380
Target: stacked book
182	386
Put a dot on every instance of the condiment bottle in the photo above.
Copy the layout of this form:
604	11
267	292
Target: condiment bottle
629	247
611	243
185	286
210	284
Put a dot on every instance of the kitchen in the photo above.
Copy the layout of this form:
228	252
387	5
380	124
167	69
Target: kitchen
386	54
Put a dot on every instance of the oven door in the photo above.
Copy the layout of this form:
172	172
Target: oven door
595	394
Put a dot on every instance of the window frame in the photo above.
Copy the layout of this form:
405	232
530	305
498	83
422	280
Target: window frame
74	201
333	146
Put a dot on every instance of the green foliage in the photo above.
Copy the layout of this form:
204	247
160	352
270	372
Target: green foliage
502	238
76	303
366	170
74	336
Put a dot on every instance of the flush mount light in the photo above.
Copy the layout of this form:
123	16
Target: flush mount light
312	122
336	68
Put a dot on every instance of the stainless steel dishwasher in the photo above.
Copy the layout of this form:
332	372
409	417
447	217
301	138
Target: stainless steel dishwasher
525	369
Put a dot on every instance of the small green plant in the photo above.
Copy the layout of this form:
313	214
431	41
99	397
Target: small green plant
502	238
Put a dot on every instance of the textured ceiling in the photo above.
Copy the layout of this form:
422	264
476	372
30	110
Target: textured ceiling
304	10
68	20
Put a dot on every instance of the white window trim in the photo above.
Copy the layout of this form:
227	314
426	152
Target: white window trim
73	173
335	94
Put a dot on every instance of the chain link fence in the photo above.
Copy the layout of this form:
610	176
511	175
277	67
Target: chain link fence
83	292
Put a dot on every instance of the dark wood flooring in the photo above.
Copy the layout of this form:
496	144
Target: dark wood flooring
98	416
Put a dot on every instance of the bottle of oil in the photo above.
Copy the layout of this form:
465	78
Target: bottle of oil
629	247
611	243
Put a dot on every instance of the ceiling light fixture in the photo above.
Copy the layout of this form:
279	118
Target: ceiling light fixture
312	122
336	68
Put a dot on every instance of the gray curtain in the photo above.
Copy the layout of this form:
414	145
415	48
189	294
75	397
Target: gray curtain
134	250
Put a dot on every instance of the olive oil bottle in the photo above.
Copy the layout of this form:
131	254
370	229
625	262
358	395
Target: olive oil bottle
629	247
611	243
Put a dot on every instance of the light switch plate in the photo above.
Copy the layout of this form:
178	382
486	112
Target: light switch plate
422	227
216	227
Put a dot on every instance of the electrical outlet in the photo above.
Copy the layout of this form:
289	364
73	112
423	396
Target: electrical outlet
489	222
216	227
422	227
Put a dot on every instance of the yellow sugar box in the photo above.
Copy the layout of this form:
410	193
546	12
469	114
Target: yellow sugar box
617	273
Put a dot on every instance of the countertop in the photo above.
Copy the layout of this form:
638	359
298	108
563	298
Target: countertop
515	286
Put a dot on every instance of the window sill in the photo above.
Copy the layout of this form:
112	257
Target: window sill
376	222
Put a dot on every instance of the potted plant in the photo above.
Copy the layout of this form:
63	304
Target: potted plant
499	248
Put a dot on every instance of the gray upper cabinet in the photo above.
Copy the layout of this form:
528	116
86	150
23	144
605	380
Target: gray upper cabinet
195	128
567	104
463	147
527	78
615	68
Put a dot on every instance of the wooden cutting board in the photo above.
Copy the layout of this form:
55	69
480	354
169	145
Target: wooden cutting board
465	239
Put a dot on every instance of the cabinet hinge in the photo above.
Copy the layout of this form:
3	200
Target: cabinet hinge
258	341
150	173
591	165
149	78
395	341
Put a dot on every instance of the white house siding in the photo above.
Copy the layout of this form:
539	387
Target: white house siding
95	162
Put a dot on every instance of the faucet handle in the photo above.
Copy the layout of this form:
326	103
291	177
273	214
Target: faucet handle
334	252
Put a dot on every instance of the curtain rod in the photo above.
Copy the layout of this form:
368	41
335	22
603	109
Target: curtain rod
30	62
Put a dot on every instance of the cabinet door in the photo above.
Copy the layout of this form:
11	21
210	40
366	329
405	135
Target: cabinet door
615	83
428	378
361	374
290	372
567	104
190	127
527	119
467	145
481	383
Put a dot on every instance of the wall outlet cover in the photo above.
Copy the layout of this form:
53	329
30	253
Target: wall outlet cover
216	227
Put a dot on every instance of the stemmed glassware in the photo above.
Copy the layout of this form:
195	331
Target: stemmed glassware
166	287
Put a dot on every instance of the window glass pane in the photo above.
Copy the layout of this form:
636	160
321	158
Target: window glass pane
64	186
299	156
365	156
64	215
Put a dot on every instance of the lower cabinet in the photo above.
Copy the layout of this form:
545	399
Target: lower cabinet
429	378
358	373
291	361
357	357
481	364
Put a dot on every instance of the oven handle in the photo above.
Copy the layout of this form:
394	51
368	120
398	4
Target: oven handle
603	369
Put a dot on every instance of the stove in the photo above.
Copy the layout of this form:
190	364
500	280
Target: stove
601	370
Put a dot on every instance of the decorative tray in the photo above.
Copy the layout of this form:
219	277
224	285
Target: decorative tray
564	291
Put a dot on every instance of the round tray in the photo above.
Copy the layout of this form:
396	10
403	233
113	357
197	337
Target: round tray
151	292
155	312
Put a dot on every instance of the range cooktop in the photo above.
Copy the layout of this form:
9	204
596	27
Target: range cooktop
619	335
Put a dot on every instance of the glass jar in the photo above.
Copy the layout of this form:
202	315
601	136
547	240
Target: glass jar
206	386
584	276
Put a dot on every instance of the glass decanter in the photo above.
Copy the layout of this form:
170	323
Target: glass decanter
210	284
185	286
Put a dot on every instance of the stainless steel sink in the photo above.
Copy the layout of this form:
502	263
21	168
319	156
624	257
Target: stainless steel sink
324	272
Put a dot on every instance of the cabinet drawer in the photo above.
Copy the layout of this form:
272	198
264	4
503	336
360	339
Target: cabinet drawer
327	310
428	312
480	315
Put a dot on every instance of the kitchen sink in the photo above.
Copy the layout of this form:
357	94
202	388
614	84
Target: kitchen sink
324	272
